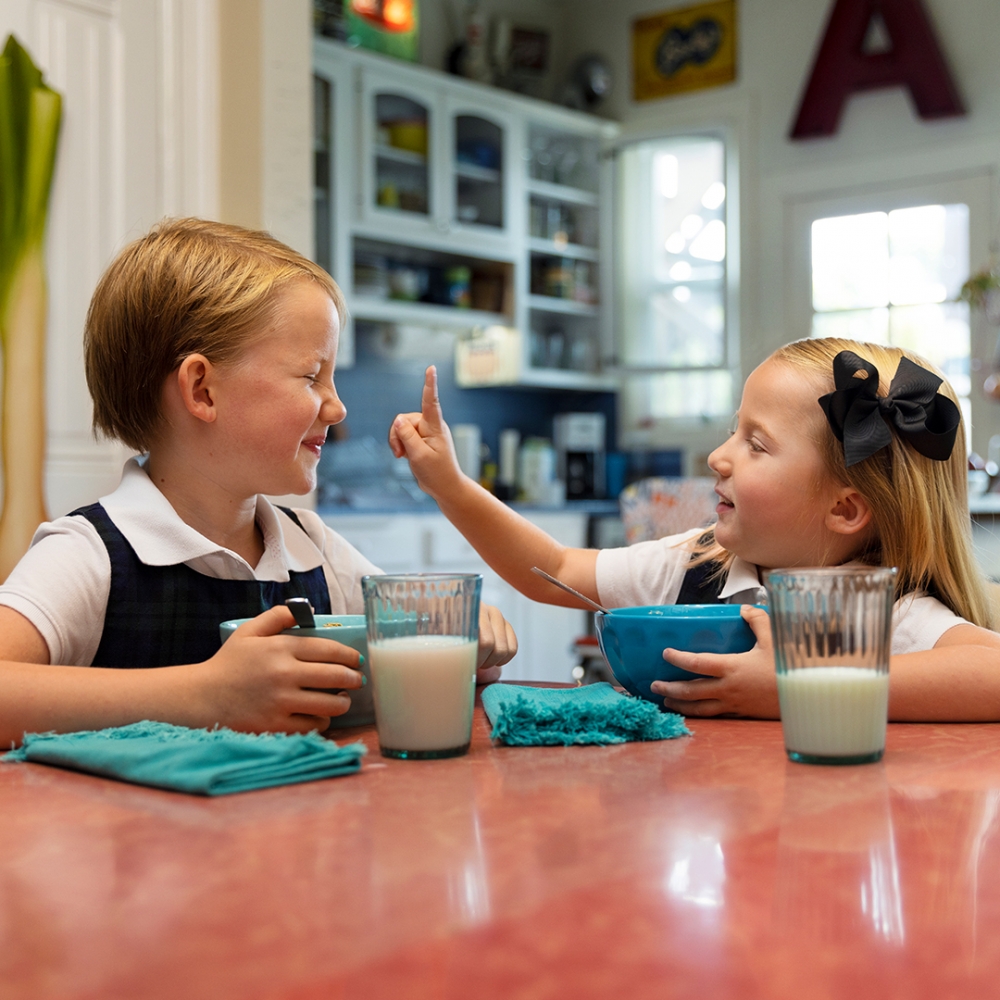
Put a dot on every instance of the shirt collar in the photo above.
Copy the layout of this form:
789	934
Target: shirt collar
161	538
742	577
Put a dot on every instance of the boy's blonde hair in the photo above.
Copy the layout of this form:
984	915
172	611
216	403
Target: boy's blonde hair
920	508
190	286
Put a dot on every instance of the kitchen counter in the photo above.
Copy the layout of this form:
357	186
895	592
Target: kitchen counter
701	867
598	507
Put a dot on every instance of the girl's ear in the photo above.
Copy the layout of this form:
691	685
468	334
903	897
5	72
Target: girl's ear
849	514
195	386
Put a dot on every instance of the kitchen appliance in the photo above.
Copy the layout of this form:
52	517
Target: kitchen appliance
579	443
468	441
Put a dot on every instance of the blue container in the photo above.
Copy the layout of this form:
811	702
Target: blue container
352	631
633	640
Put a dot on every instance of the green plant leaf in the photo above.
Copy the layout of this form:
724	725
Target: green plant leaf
30	117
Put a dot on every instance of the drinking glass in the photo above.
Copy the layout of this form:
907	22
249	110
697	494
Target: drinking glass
832	632
423	636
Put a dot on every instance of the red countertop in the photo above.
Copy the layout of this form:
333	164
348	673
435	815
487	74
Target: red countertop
707	867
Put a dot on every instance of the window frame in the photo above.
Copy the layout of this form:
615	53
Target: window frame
971	188
672	432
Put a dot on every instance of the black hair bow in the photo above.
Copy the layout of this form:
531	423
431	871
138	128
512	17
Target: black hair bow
861	419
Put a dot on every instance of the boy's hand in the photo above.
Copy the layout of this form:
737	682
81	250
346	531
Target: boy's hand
425	440
261	681
737	683
497	644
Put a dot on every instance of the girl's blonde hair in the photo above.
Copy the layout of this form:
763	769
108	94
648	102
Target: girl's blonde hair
920	508
189	286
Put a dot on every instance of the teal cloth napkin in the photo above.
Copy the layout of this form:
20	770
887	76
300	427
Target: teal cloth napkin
596	713
198	761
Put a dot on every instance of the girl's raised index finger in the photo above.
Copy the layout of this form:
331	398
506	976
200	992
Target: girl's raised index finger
430	403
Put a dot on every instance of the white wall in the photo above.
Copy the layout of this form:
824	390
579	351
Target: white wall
137	143
881	142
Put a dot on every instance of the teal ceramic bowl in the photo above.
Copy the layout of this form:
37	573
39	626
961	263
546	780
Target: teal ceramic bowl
633	640
352	631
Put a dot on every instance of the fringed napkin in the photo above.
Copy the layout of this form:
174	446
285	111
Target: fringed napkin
530	716
198	761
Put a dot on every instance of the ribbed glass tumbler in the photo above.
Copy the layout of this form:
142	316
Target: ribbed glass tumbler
423	637
832	633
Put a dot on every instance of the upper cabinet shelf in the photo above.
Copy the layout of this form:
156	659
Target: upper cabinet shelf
447	203
561	192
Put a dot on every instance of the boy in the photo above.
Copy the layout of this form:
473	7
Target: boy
211	349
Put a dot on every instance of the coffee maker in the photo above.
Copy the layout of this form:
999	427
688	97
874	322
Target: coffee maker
579	442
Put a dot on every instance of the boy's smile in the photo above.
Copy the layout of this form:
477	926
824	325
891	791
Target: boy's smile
774	491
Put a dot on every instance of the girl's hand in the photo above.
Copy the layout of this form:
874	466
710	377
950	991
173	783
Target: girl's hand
425	440
737	683
261	681
497	644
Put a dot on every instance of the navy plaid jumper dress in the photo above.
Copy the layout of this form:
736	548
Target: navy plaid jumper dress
160	616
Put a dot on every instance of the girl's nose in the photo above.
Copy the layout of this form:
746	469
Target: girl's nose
718	461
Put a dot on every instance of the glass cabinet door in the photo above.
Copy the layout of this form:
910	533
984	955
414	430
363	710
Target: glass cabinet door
479	172
402	154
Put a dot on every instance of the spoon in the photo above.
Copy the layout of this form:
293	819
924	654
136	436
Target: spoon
570	590
302	610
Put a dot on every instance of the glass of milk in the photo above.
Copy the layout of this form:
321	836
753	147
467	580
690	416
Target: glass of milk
832	633
423	636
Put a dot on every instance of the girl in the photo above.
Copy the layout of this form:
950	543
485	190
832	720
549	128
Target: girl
840	452
211	348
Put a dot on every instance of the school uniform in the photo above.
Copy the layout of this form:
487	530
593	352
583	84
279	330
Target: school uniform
126	582
658	572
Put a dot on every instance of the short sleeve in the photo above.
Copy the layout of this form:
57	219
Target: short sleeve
343	565
644	573
61	586
918	622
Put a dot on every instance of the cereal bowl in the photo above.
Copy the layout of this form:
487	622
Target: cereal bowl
352	631
633	639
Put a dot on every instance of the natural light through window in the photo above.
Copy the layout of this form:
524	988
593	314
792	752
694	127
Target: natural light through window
672	274
893	278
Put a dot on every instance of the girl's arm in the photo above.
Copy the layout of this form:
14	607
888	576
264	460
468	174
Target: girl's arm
259	681
956	681
509	543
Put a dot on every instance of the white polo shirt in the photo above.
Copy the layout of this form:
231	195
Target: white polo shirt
62	584
652	573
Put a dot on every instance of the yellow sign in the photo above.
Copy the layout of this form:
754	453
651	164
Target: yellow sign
681	50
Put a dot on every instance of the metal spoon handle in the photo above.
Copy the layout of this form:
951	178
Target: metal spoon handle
302	610
569	590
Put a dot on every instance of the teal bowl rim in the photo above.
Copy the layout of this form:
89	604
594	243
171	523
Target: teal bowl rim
234	623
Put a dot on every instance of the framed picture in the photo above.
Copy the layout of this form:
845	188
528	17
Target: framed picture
389	26
529	50
681	50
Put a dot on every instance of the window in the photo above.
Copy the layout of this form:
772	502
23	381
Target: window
677	345
893	278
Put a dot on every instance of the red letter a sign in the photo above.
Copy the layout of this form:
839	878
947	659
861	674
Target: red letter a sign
842	67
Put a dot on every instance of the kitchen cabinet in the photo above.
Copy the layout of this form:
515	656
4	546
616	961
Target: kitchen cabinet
428	543
469	207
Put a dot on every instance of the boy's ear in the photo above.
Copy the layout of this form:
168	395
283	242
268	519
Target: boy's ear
194	383
849	514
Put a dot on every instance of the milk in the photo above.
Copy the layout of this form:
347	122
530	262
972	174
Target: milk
834	711
425	686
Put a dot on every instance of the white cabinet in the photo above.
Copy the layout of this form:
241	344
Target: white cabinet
470	207
401	151
428	543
